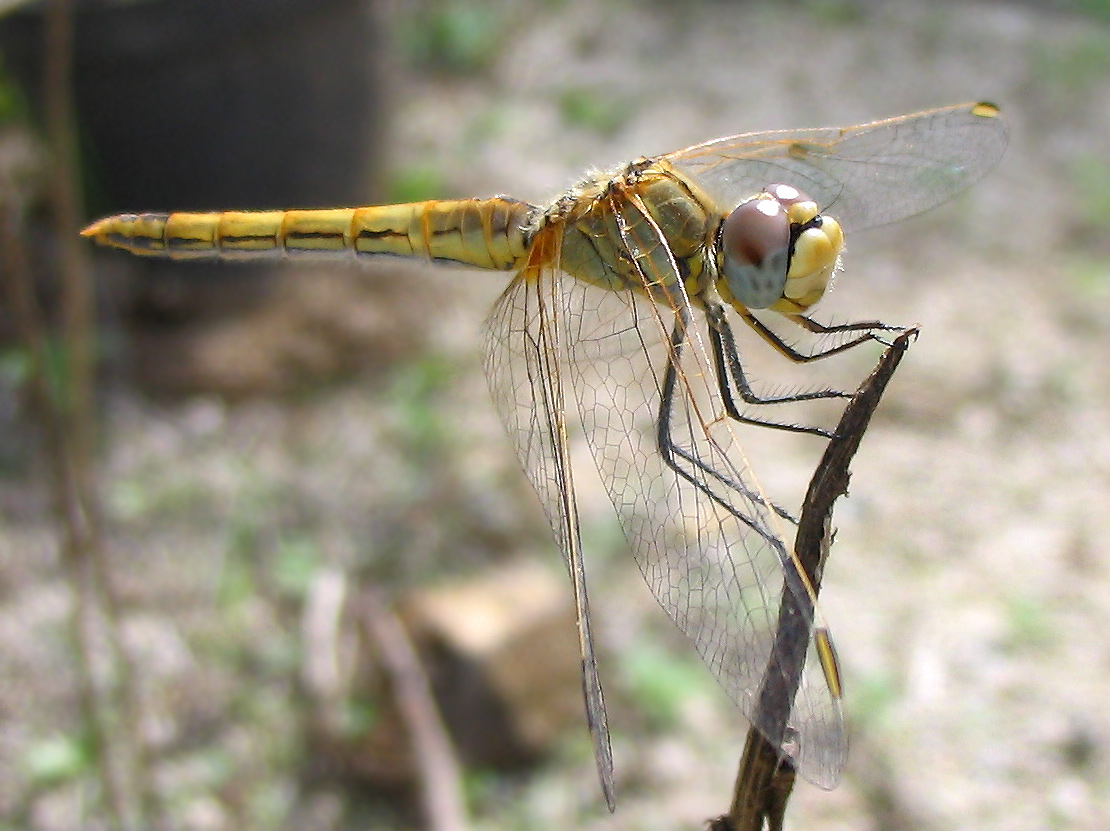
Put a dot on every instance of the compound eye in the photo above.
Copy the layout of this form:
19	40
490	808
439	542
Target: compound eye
755	244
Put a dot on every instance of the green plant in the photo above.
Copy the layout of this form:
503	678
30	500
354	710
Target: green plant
415	183
13	106
415	391
873	698
296	564
58	759
1090	182
455	36
1028	623
594	108
661	681
1076	68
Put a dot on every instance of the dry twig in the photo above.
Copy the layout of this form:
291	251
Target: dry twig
440	776
764	781
64	410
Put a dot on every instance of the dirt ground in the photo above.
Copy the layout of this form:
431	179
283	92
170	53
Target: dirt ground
968	588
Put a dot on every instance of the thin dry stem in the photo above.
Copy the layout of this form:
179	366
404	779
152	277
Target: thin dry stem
66	414
764	782
440	776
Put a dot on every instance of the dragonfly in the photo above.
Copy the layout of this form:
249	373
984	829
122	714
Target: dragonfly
623	308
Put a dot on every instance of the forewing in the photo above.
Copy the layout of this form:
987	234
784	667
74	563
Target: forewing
864	176
702	532
525	338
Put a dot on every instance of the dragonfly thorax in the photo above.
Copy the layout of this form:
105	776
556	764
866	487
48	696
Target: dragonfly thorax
777	251
644	230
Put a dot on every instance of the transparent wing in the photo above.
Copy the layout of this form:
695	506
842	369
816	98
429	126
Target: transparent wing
525	339
866	175
702	533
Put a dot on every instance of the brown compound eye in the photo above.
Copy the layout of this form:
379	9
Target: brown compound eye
755	247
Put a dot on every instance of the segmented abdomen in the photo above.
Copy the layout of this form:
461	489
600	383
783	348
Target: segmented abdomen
485	233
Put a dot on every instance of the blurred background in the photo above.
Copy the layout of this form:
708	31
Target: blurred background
194	554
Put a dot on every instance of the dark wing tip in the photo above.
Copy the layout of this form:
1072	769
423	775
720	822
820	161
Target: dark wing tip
985	109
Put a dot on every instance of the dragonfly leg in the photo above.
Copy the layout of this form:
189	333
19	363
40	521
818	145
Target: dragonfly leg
724	347
700	474
811	325
729	368
869	329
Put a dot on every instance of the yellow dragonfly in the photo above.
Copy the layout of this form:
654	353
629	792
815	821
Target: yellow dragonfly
622	307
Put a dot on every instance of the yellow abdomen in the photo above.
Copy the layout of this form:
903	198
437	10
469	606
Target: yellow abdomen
484	233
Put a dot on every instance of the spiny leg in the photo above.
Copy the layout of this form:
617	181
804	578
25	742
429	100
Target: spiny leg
728	366
672	452
869	328
811	325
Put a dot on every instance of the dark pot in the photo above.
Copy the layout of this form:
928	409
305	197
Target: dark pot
196	104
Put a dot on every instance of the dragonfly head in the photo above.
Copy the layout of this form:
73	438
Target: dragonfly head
776	251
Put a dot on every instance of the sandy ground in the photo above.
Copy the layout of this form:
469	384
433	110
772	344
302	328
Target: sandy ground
968	586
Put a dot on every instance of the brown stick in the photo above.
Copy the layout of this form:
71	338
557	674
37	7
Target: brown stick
764	781
440	776
65	415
